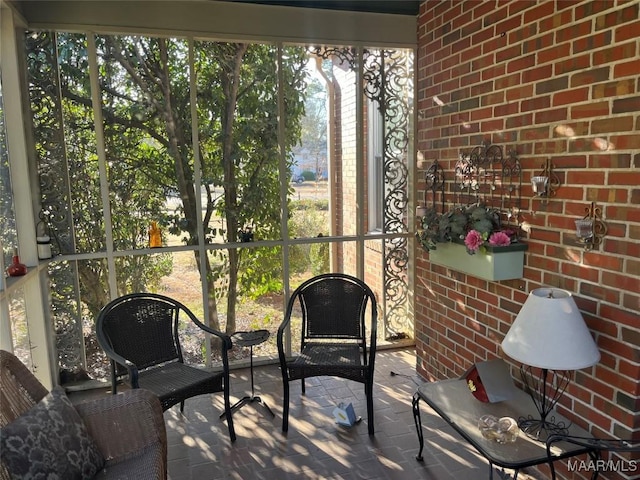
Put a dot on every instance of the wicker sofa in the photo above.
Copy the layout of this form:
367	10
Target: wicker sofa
127	430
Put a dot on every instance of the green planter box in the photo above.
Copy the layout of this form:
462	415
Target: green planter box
498	263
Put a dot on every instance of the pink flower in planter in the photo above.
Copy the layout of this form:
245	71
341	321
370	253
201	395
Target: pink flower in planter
473	240
499	239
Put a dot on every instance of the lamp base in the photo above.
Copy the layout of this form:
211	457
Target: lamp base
539	429
545	390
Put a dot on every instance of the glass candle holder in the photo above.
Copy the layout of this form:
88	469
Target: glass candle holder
584	228
539	185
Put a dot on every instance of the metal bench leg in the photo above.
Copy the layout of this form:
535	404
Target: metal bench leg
415	406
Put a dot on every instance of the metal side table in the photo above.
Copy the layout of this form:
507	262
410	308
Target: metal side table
250	339
452	401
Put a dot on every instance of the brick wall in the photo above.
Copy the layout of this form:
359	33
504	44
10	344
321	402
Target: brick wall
550	79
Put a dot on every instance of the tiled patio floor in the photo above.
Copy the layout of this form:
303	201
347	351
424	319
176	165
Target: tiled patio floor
315	447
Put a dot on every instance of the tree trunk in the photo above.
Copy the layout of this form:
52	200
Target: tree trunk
230	86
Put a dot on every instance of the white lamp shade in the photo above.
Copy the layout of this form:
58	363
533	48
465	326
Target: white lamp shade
549	332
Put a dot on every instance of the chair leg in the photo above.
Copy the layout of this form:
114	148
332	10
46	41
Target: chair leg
114	380
285	407
182	406
368	391
302	383
229	415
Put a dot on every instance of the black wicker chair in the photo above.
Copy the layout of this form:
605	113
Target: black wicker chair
596	446
333	337
139	333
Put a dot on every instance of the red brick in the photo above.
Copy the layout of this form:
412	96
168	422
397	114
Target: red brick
628	369
614	378
615	53
595	75
626	69
626	142
534	44
551	146
591	8
570	161
522	34
618	17
492	125
509	53
592	42
482	88
608	195
623	105
594	385
595	290
589	413
452	13
463	21
504	109
614	89
573	96
555	52
536	103
483	8
552	85
523	63
585	177
493	72
573	31
627	32
595	109
461	69
612	124
519	121
552	115
516	7
482	113
535	133
620	247
545	263
539	73
517	93
482	36
450	62
507	81
556	21
624	213
572	64
543	10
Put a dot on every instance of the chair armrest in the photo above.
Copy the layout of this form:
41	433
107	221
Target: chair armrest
125	424
280	336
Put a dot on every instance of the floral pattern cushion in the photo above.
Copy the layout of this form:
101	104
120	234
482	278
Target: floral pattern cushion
50	442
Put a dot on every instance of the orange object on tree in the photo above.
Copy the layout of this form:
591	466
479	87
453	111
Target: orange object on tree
155	236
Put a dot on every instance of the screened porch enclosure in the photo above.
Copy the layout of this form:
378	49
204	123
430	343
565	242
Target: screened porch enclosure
203	138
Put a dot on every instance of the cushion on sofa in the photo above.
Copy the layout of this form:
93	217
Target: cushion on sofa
50	441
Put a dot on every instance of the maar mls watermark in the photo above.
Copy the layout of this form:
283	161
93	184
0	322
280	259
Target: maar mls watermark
621	466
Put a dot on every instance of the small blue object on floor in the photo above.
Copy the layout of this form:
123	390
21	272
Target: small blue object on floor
345	416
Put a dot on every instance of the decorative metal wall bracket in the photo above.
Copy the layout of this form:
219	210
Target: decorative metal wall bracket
434	186
546	182
486	175
591	229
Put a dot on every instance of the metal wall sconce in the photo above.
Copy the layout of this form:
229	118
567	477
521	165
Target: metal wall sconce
434	186
546	182
591	229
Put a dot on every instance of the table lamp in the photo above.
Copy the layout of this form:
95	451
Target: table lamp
548	336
